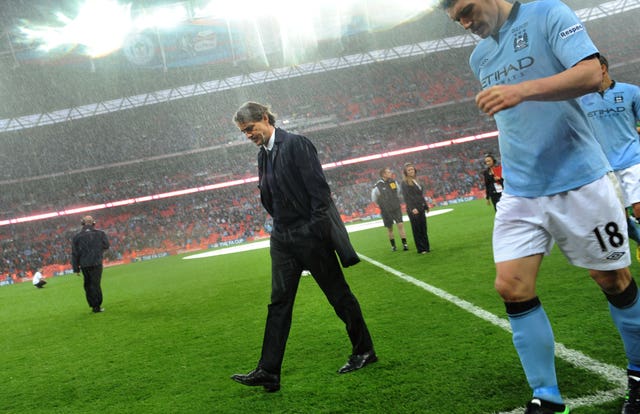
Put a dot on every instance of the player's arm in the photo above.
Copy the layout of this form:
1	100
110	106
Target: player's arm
583	78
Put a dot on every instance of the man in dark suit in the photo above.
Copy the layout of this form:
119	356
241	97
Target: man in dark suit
87	249
306	236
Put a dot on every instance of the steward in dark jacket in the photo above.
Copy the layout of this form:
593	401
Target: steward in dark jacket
87	249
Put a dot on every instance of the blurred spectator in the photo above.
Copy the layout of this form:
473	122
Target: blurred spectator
492	180
38	279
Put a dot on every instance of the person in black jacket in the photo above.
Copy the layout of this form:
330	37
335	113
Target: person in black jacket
306	233
493	180
417	208
87	249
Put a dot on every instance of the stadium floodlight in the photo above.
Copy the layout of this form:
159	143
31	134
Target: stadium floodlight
101	26
164	17
319	20
382	12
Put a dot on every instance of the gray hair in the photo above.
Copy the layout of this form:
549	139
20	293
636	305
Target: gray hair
253	112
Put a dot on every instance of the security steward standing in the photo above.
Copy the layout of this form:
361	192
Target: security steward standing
87	250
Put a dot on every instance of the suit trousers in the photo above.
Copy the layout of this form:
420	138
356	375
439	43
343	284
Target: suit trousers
92	289
293	251
419	229
495	198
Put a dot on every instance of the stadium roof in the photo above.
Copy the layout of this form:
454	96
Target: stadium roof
184	90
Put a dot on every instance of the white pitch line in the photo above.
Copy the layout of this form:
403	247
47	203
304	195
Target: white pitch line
609	372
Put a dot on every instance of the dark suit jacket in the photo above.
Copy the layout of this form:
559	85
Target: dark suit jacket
489	184
87	248
300	178
413	197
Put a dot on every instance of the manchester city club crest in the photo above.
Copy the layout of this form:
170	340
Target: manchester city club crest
520	40
618	98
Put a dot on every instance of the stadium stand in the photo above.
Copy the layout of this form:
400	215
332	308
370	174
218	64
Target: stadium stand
348	113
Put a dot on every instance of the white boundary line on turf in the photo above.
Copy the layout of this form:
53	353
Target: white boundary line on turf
609	372
351	228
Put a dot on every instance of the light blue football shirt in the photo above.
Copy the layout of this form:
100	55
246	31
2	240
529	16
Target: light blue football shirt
546	147
613	115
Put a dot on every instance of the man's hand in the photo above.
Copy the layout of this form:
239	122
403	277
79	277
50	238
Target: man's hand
499	97
584	77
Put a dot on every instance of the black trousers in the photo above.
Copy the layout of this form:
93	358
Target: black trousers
92	277
419	229
495	197
292	252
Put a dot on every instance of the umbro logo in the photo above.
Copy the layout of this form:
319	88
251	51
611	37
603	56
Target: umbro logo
615	255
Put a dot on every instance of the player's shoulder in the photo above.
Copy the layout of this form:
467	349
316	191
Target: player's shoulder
543	10
626	87
543	6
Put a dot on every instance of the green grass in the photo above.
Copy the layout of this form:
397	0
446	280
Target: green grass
174	331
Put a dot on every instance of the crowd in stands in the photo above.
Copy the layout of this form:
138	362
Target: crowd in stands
207	219
237	161
364	110
368	91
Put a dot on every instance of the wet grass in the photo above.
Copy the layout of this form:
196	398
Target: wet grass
174	331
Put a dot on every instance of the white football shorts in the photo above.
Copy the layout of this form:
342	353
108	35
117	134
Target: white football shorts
588	224
629	179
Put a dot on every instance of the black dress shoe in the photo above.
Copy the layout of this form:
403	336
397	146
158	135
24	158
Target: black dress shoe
259	377
358	361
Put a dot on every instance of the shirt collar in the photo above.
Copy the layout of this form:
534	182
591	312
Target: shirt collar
514	11
512	16
272	140
613	83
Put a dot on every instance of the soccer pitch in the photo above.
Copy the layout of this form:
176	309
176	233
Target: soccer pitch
174	330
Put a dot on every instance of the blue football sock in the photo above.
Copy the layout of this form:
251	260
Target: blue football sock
533	339
627	320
